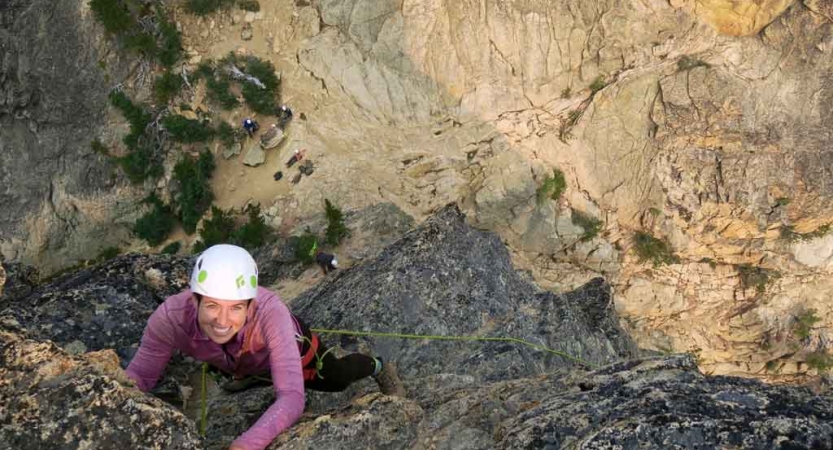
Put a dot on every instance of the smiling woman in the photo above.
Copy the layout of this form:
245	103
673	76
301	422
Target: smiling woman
225	319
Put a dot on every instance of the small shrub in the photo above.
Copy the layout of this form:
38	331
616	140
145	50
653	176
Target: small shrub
140	164
216	230
771	365
135	115
195	197
688	63
203	7
782	201
305	247
249	5
753	276
804	324
566	92
820	361
710	262
254	232
155	226
336	230
568	124
598	84
263	71
219	92
788	233
107	254
552	187
588	223
99	148
649	248
170	45
113	15
654	212
166	87
142	43
187	130
226	134
172	248
259	100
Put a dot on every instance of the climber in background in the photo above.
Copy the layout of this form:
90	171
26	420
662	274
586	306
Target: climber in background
250	126
228	321
326	261
296	156
284	116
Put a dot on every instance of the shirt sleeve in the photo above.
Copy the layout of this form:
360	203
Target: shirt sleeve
155	350
287	379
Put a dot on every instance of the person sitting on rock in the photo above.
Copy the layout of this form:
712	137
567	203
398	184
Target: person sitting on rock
250	126
326	262
227	321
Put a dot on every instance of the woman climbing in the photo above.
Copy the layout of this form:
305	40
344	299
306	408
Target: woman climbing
227	321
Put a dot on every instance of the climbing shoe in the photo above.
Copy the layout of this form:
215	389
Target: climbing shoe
242	384
388	380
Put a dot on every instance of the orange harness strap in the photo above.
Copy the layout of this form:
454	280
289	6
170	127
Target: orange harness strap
309	357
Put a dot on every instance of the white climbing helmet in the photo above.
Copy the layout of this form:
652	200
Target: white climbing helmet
334	262
225	272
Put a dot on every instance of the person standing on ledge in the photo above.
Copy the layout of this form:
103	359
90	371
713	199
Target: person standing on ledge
226	320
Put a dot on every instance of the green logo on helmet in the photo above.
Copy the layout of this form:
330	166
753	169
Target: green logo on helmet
253	280
240	280
202	276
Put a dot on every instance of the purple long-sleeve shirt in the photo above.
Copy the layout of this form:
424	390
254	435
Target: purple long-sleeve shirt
265	343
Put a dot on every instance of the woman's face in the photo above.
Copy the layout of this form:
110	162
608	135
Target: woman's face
219	319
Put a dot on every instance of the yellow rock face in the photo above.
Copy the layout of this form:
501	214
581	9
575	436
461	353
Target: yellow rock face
735	17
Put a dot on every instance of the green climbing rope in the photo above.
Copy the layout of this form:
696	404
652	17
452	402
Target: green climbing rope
453	338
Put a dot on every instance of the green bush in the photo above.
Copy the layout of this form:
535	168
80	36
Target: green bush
195	196
166	87
262	101
688	63
249	5
820	361
336	230
170	45
219	92
99	148
216	230
187	130
753	276
649	248
804	324
113	14
552	187
221	229
143	43
254	232
598	84
135	115
203	7
305	247
107	254
172	248
259	100
226	133
588	223
140	164
155	226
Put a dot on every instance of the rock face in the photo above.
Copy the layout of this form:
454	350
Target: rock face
441	278
61	201
445	278
51	400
